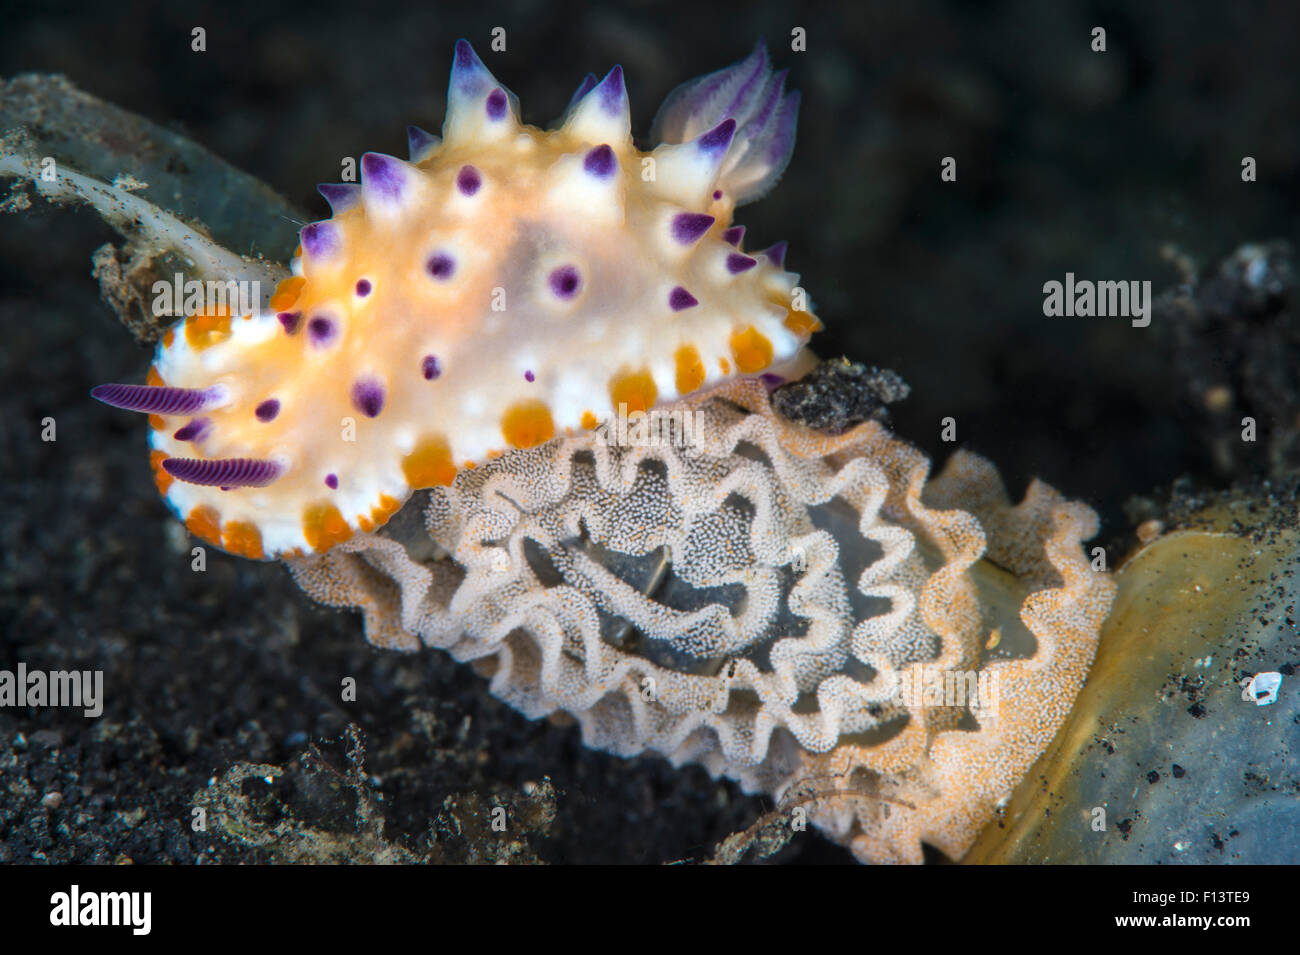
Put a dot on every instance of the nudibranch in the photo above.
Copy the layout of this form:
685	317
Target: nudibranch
505	285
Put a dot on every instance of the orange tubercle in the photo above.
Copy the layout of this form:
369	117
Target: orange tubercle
287	292
161	478
527	424
690	369
323	526
205	524
752	351
429	464
242	538
636	390
802	323
589	421
207	329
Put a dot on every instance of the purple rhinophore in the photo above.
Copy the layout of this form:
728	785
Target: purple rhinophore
225	473
689	227
776	254
319	239
267	410
368	396
496	104
383	176
429	367
158	399
613	94
752	86
679	299
600	162
565	281
529	376
716	141
332	481
441	266
419	142
290	320
340	195
363	287
322	330
468	180
737	263
194	431
734	235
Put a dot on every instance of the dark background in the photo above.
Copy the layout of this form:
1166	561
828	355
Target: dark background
1068	160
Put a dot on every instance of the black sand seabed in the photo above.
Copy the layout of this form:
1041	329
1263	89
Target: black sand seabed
1068	161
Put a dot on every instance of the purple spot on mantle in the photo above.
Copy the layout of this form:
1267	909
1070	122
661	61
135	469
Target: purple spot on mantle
737	263
290	321
368	396
688	227
733	235
679	299
600	162
332	481
363	287
441	266
382	175
565	281
429	367
496	104
268	409
529	376
322	331
468	180
193	431
717	194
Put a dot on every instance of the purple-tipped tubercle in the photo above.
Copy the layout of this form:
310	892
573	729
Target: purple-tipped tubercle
320	240
776	254
419	142
737	263
734	235
196	430
679	299
689	227
340	195
383	176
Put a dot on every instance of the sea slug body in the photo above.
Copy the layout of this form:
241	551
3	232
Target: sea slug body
504	286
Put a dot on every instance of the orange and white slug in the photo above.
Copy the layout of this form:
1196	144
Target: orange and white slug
505	284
